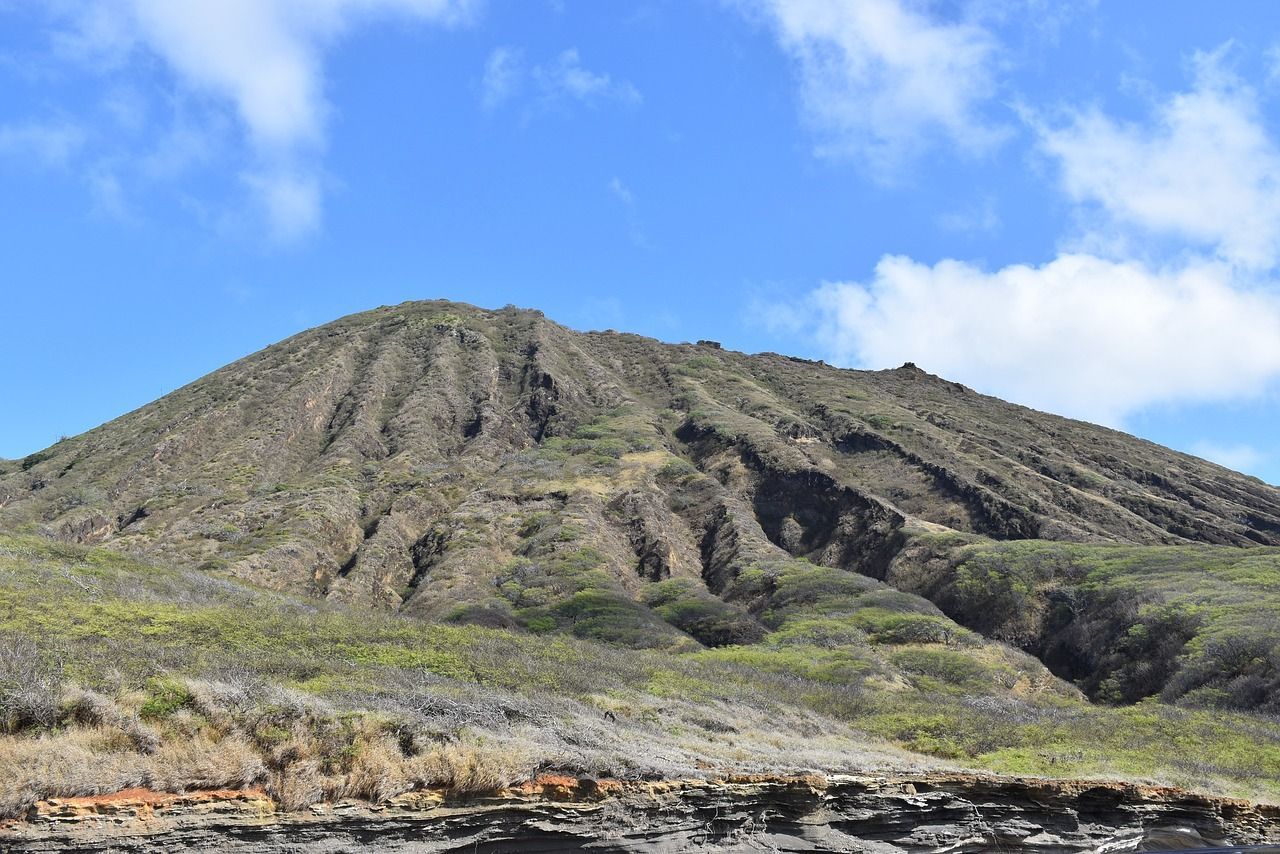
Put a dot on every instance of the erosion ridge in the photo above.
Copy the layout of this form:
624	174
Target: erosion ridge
952	812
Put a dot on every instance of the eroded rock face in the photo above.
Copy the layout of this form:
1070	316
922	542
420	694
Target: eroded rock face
940	812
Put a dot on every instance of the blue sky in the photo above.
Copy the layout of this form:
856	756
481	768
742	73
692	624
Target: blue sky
1071	205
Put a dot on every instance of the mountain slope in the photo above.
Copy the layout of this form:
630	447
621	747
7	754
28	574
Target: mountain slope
748	552
492	467
343	456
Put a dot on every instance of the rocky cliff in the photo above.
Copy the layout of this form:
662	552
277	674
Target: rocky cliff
939	812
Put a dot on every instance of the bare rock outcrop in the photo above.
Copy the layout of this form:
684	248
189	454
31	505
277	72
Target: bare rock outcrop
936	812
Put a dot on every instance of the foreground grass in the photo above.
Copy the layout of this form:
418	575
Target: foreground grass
119	673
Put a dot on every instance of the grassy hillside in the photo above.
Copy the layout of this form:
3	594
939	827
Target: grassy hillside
118	673
1198	626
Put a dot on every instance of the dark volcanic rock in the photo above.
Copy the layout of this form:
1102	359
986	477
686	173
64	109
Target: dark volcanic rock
933	813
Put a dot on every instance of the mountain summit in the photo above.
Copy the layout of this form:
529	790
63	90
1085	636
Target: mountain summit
391	457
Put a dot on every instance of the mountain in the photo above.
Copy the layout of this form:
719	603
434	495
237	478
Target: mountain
493	467
356	459
437	545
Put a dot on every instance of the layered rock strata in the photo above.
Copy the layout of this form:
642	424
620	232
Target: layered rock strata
923	813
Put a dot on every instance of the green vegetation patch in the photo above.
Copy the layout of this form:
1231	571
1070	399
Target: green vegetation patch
128	629
1191	625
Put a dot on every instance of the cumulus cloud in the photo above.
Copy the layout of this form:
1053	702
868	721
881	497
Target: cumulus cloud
880	79
1104	331
561	80
263	58
1080	335
1203	170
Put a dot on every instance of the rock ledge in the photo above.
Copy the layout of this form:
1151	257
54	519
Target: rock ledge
917	813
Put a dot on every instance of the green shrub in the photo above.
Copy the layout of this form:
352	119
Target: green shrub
945	665
892	627
164	697
677	469
31	461
710	621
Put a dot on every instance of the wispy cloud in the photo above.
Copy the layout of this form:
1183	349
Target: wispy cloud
621	192
978	218
503	73
48	143
881	80
107	192
291	201
262	59
566	78
1203	170
627	199
561	80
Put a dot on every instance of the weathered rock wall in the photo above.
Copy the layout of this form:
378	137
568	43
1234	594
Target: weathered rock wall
952	812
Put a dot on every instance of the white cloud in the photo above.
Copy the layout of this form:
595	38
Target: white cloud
1099	334
880	80
1203	170
291	201
1238	457
560	80
263	58
1081	335
502	77
48	143
565	77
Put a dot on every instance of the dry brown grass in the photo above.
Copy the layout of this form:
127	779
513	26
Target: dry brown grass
437	734
470	766
378	773
68	763
89	708
299	785
30	685
203	763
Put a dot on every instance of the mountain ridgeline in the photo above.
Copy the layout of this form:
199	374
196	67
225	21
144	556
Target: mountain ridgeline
467	466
